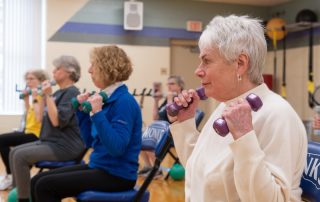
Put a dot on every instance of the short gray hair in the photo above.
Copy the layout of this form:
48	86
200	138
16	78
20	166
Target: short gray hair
69	63
234	35
40	74
179	80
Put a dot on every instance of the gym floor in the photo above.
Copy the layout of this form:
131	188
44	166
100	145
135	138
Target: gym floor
161	190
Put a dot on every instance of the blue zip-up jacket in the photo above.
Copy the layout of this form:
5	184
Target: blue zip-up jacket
114	134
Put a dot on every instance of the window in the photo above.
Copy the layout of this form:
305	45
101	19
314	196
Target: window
22	47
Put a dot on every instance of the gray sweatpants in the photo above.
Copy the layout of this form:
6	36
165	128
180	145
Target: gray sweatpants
21	160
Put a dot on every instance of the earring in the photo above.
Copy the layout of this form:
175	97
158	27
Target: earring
239	77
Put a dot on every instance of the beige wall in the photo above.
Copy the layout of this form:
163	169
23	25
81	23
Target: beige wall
148	61
297	77
9	123
59	12
153	64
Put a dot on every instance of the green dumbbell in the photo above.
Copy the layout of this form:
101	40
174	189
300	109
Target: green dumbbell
39	90
86	106
23	95
75	103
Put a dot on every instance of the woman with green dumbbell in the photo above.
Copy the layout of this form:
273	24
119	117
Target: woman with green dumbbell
112	129
85	105
33	118
60	135
38	90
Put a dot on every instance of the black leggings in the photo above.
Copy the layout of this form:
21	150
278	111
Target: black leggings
54	185
12	139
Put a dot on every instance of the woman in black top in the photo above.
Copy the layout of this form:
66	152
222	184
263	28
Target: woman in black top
60	136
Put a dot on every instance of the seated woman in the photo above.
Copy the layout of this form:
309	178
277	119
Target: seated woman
263	156
112	129
60	135
33	118
175	85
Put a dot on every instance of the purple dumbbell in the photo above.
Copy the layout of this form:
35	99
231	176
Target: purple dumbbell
173	108
220	125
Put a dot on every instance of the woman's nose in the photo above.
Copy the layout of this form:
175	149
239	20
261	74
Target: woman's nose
199	71
90	69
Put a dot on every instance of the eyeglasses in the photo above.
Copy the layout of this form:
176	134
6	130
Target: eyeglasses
30	78
171	83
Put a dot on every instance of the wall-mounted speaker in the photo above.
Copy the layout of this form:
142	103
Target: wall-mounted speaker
133	15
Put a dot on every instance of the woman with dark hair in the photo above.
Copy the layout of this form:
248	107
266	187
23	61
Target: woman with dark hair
60	135
112	129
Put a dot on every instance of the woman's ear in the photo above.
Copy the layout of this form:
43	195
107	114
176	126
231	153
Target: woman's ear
243	64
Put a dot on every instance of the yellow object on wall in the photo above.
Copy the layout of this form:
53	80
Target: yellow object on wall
275	29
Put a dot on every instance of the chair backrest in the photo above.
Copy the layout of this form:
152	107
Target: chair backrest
157	133
310	181
153	134
199	116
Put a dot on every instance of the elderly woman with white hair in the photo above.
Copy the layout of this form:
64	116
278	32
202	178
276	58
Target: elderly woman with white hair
263	156
60	135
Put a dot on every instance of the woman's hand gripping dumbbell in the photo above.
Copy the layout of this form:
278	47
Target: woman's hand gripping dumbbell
237	118
38	90
173	108
77	101
45	89
92	102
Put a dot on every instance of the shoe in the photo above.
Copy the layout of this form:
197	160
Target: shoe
6	183
144	170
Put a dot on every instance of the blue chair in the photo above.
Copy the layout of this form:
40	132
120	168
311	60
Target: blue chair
310	181
155	137
199	116
58	164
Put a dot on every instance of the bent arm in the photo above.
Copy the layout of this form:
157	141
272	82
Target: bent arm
270	169
185	136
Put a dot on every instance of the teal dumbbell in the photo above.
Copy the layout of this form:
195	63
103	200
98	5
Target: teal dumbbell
23	95
86	106
39	91
75	103
52	83
12	196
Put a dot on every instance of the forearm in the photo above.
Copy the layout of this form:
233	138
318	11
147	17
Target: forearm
155	110
38	112
257	179
114	134
85	125
52	111
38	107
185	136
26	103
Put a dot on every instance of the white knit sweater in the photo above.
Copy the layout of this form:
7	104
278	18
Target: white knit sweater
264	165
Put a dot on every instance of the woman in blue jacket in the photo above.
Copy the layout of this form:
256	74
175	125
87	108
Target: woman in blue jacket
112	129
